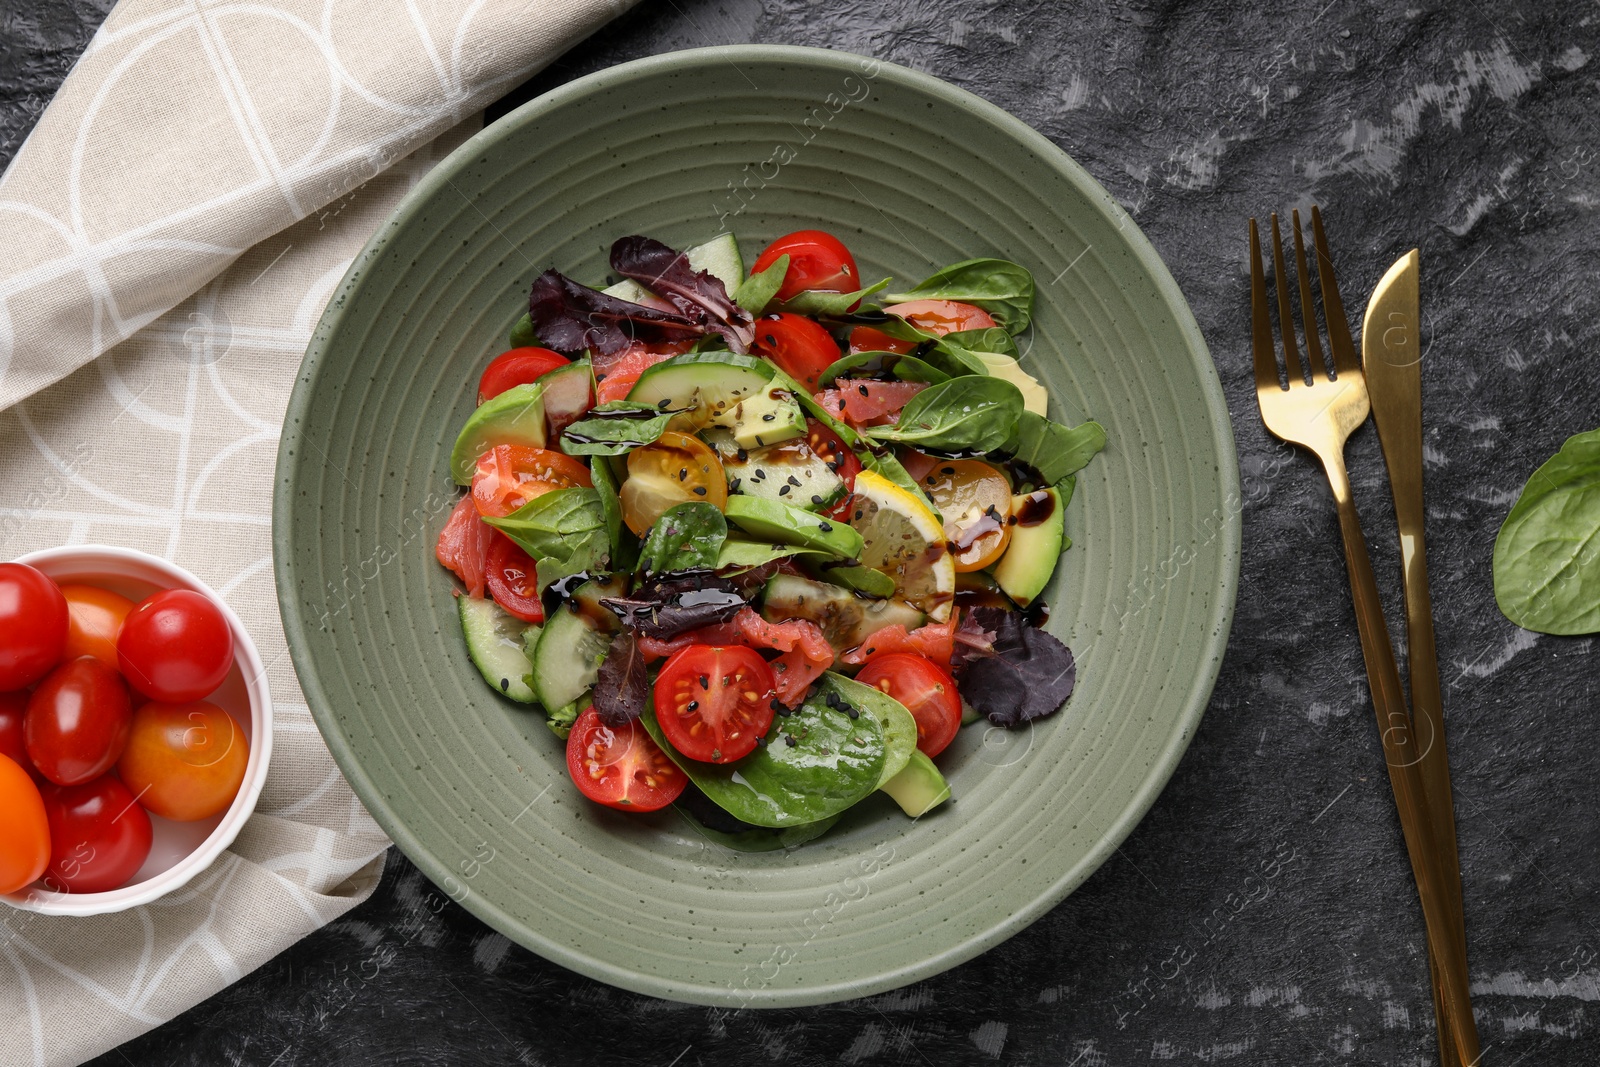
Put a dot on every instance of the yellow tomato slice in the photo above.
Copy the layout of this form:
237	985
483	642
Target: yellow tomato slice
676	468
975	500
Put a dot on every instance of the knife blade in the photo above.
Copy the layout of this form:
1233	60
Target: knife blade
1391	358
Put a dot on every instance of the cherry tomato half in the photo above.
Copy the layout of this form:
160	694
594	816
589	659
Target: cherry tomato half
514	580
516	367
843	462
817	260
621	767
800	347
94	620
927	691
867	339
33	625
185	762
175	646
24	829
99	835
677	468
508	476
77	722
942	316
714	703
975	500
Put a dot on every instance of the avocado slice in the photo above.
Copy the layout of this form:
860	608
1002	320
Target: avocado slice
846	620
515	417
1035	397
1036	545
768	520
919	788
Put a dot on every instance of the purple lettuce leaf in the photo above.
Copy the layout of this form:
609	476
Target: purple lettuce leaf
669	605
570	318
698	295
623	687
1024	675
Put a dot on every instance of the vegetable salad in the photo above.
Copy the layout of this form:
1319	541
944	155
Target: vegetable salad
760	543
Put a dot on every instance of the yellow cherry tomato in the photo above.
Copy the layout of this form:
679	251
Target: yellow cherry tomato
676	468
975	500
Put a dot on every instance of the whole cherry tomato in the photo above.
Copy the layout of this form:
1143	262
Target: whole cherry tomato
175	646
24	830
94	620
33	625
77	722
13	740
99	835
817	260
185	762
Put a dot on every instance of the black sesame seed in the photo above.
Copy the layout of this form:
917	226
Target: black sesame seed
694	705
734	485
777	706
861	389
794	481
662	405
789	740
699	490
785	490
759	476
705	683
947	470
683	472
815	499
825	527
741	455
768	417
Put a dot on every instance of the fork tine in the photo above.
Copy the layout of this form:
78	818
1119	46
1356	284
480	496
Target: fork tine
1260	321
1280	281
1308	313
1344	349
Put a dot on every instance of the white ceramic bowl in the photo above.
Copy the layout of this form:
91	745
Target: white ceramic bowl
179	850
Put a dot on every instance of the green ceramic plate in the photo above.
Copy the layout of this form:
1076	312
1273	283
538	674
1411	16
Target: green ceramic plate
762	140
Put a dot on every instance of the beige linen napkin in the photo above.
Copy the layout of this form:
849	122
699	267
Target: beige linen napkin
182	212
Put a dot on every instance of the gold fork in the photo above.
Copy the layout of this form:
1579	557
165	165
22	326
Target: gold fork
1318	412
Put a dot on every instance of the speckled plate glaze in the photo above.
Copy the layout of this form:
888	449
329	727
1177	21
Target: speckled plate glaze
912	173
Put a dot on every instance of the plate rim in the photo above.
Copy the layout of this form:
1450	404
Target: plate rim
1162	766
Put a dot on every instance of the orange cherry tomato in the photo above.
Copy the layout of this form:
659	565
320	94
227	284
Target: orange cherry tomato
184	762
975	500
24	829
677	468
94	620
942	316
508	476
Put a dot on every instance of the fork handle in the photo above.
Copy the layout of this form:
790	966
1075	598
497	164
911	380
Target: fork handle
1400	756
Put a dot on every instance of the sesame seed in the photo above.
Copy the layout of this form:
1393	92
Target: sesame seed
699	490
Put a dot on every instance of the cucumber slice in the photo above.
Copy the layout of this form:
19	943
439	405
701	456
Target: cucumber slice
919	788
495	642
721	259
789	473
566	661
846	619
515	417
723	389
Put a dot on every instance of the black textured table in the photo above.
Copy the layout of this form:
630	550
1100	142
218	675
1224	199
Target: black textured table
1263	912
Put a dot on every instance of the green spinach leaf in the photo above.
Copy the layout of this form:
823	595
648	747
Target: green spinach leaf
813	764
1054	450
522	335
615	428
1547	555
969	414
907	368
1002	288
738	554
757	291
564	531
986	339
687	537
818	302
624	546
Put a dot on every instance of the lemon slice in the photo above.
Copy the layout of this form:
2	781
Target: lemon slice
905	540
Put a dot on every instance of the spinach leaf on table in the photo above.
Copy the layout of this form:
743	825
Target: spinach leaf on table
1547	555
1002	288
687	537
615	428
969	414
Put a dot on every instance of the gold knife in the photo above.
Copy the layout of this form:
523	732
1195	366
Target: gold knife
1391	357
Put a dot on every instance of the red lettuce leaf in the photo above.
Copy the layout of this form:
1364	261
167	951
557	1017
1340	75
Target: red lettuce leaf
1025	675
570	317
699	296
623	688
669	605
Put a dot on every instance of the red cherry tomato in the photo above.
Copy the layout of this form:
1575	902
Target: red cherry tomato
13	743
175	646
464	545
33	625
99	835
817	260
508	476
928	692
825	443
78	720
516	367
24	829
800	347
942	316
185	762
714	703
95	620
513	580
621	767
867	339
